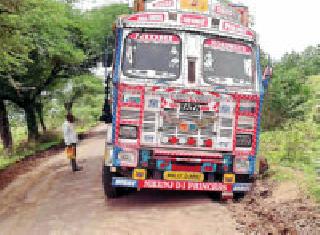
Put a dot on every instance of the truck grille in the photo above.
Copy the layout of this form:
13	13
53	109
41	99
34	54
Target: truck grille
200	126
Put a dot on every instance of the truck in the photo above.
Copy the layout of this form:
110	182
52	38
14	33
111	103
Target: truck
186	99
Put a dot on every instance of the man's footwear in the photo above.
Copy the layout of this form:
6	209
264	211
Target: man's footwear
79	168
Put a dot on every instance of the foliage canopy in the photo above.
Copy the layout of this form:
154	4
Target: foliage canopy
44	41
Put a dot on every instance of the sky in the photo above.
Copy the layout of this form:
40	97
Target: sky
286	25
282	25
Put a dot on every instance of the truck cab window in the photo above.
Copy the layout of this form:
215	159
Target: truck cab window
227	63
152	56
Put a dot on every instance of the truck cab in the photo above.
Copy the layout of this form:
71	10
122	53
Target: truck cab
186	99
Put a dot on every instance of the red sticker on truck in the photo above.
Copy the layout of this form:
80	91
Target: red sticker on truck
160	38
235	28
147	17
223	45
183	185
194	20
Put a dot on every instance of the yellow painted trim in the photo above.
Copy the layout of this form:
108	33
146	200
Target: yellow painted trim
229	178
181	175
137	172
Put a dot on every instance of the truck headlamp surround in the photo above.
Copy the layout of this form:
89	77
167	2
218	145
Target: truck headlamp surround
241	165
128	132
244	141
128	158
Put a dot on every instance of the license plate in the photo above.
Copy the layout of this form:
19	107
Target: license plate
189	107
179	175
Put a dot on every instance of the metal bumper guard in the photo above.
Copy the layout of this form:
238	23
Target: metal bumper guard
180	185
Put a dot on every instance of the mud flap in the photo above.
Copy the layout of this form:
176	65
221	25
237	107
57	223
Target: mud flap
109	190
263	165
226	196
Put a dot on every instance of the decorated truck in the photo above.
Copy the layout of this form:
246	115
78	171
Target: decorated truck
186	100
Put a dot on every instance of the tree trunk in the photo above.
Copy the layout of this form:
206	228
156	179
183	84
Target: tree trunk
30	112
5	131
68	106
39	109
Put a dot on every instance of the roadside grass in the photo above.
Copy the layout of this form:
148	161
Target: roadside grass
290	161
295	148
25	149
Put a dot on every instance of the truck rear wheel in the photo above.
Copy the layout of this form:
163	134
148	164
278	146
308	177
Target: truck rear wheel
109	191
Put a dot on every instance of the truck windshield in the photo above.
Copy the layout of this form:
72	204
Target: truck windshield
152	56
227	63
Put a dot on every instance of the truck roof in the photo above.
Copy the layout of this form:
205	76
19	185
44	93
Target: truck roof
219	17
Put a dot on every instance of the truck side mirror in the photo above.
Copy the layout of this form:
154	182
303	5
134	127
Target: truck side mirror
107	115
107	62
108	52
267	74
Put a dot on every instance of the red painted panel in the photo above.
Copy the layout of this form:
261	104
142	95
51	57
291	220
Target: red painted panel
194	20
238	98
147	17
195	160
184	185
224	45
186	168
201	154
151	37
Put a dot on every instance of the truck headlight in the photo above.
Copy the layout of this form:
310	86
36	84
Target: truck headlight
128	132
243	140
128	158
241	165
109	134
108	156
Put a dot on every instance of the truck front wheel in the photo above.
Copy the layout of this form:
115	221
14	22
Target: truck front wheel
109	191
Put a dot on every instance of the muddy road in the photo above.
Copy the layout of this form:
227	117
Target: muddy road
51	199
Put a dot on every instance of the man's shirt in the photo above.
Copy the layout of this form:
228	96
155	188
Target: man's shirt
69	133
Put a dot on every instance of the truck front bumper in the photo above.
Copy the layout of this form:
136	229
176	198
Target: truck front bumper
180	185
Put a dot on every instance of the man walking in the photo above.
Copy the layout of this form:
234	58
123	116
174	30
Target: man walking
70	140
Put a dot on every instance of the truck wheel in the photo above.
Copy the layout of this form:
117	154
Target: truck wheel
215	196
109	191
238	196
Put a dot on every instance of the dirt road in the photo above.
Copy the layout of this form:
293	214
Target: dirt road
51	199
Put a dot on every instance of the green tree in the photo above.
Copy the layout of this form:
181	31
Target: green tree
310	60
13	52
288	90
68	91
44	41
49	30
97	26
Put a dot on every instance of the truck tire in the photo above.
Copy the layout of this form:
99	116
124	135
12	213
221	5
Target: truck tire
109	191
238	196
215	196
